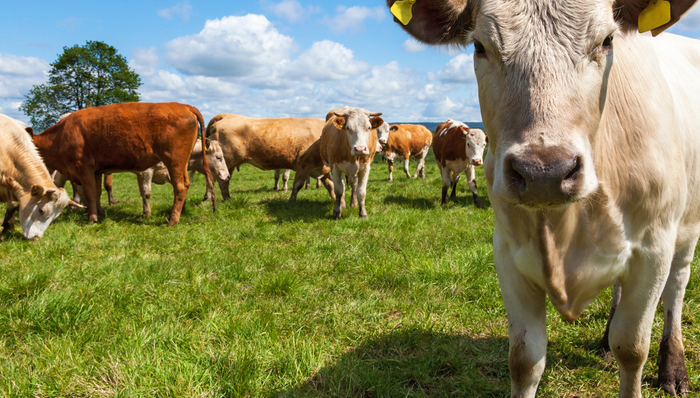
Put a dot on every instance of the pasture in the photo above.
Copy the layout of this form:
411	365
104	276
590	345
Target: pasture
266	298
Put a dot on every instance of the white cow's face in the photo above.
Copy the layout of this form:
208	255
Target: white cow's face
382	135
39	208
358	123
476	143
542	70
217	163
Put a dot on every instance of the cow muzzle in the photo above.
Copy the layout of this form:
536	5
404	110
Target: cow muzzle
477	162
360	151
544	177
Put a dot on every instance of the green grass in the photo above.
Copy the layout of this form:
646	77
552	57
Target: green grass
266	298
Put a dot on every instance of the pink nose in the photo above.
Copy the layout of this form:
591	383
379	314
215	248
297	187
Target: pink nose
383	142
476	162
361	149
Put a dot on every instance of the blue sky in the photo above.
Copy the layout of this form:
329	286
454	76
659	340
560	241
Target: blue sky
263	58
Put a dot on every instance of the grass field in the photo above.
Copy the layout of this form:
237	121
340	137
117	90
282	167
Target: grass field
266	298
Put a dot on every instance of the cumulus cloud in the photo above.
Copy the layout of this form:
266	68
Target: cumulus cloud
231	46
326	61
19	74
353	18
290	10
181	10
413	46
690	21
144	61
459	69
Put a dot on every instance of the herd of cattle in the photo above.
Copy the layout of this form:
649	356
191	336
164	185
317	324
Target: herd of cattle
158	142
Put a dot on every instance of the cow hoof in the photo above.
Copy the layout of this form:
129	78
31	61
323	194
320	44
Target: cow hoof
336	214
92	218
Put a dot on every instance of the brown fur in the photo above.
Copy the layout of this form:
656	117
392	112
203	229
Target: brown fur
408	140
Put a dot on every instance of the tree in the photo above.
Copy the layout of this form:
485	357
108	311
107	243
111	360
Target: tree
83	76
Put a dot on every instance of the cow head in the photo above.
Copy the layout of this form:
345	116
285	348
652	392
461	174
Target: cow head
357	123
542	69
38	207
476	143
382	135
217	163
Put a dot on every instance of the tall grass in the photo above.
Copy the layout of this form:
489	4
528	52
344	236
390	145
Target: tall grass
266	298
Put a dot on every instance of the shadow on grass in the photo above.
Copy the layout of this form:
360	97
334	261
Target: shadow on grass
414	203
415	362
301	209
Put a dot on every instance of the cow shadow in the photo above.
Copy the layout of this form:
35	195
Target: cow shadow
414	362
414	203
301	209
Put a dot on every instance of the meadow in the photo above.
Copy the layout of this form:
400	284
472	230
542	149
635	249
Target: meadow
266	298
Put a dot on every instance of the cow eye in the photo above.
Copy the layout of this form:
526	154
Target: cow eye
607	43
41	211
479	48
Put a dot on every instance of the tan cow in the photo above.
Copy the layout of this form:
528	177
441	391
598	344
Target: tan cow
347	146
407	141
457	149
25	182
268	144
123	137
592	167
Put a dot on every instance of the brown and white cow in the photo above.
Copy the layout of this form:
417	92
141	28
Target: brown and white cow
457	149
268	144
25	182
347	146
591	169
123	137
407	141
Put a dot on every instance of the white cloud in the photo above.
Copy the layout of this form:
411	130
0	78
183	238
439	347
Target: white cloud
690	21
181	10
352	19
290	10
413	46
459	69
144	61
326	61
231	46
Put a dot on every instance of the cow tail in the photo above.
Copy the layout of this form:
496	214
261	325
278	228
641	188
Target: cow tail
207	171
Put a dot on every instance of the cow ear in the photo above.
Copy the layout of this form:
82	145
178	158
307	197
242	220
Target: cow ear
487	139
627	13
53	193
376	122
339	122
393	128
30	131
437	21
38	191
464	129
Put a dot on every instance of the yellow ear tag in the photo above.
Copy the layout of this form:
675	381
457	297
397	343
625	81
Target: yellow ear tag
402	10
657	13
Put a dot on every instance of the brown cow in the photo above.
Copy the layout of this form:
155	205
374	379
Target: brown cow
458	148
407	141
347	146
25	183
123	137
268	144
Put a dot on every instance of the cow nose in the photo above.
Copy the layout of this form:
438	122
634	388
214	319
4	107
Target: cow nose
383	142
539	178
477	162
361	150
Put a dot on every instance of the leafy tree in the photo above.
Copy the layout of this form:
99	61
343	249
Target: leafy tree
83	76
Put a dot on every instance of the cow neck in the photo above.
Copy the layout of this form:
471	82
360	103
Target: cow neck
571	242
30	169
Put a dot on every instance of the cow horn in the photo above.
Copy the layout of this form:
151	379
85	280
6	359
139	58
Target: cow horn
76	204
373	114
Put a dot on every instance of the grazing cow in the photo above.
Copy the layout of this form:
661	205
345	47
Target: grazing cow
592	166
407	141
268	144
123	137
25	182
457	149
347	146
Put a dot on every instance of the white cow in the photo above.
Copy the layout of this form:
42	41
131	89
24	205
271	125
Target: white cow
25	182
592	167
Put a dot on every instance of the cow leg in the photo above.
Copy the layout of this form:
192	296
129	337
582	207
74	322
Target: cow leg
328	183
8	223
277	181
421	165
108	187
525	306
471	177
91	186
181	183
362	178
391	169
453	195
300	177
144	181
673	377
353	189
77	192
318	183
630	328
605	351
446	182
339	187
223	186
308	183
285	179
405	167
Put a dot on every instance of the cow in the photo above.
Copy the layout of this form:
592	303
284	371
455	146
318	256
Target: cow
124	137
591	169
407	141
457	149
268	144
25	182
347	147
